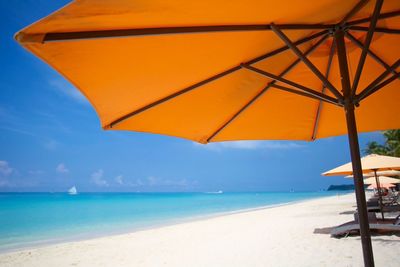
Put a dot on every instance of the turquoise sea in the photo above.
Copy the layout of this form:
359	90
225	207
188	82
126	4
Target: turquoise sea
31	219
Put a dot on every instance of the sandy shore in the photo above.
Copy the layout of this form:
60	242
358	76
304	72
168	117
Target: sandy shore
281	236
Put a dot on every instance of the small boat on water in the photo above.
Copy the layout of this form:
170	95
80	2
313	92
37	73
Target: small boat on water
72	191
215	192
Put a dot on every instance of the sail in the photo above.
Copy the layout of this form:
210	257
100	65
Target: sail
72	191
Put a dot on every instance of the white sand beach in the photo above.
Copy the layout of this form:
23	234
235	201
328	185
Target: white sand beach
280	236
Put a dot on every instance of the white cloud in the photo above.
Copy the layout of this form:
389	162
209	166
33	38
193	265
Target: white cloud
137	183
151	180
119	179
4	183
35	172
5	169
51	144
156	181
97	178
250	145
61	168
67	89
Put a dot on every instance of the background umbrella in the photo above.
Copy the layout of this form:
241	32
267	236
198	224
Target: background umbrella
217	70
379	173
370	164
382	180
379	182
375	186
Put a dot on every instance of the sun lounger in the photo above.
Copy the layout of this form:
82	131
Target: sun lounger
384	208
387	226
392	201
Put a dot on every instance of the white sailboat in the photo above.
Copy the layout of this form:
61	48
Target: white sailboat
72	191
215	192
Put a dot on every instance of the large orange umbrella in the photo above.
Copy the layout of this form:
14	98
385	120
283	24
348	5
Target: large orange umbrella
217	70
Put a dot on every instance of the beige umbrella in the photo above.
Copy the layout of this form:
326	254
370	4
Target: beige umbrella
379	173
371	163
375	186
382	180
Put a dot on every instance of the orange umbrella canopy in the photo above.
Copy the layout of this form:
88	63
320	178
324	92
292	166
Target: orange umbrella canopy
208	70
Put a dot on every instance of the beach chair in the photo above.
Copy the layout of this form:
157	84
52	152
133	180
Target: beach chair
392	201
379	226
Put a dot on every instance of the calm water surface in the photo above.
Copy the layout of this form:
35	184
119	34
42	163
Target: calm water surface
30	219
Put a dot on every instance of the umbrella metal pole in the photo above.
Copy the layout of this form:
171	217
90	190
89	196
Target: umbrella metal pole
354	149
378	185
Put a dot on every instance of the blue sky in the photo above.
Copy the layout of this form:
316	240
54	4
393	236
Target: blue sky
51	139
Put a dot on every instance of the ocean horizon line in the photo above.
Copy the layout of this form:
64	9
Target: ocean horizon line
172	192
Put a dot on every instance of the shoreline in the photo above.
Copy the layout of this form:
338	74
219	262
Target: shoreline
261	237
84	237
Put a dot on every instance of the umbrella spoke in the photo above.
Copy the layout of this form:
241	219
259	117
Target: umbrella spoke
377	29
306	94
379	86
212	78
328	69
169	97
305	89
285	47
353	11
376	85
367	43
372	54
120	33
265	89
306	61
381	16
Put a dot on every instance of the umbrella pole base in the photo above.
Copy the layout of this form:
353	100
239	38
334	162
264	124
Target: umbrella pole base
354	149
359	189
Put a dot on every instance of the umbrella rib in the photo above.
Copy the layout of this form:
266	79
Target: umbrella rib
372	54
375	85
285	47
379	86
367	43
377	29
296	85
265	89
353	11
303	93
169	97
210	79
84	35
381	16
320	104
306	61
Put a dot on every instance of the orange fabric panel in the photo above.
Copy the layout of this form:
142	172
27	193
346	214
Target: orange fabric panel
122	75
277	115
198	114
122	14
